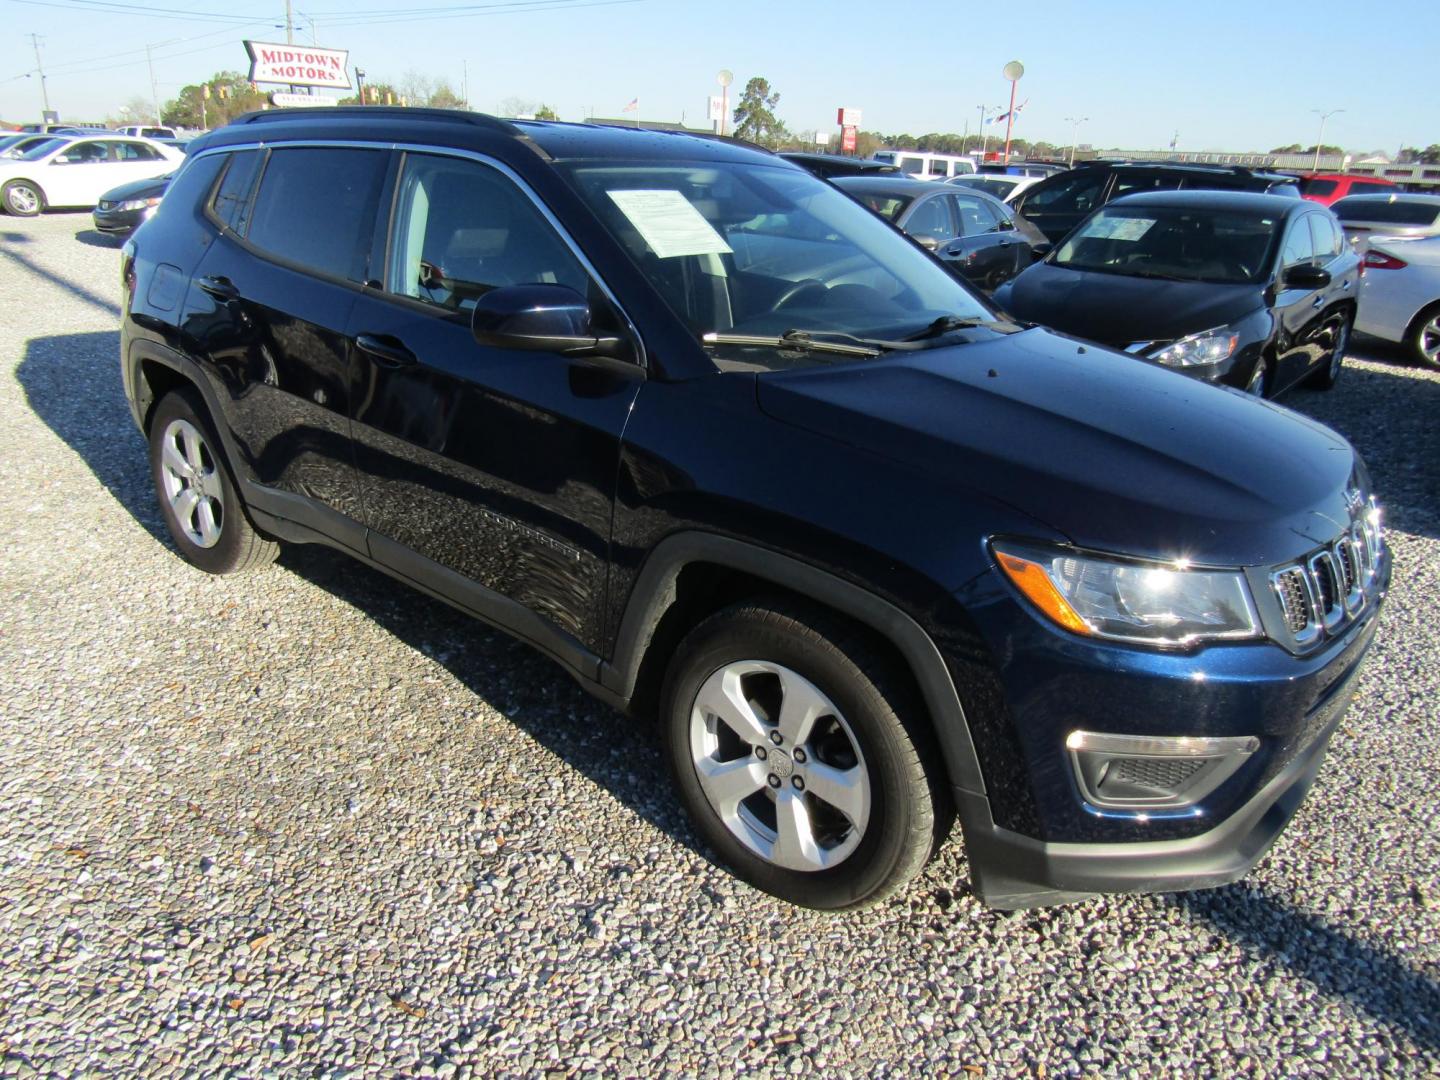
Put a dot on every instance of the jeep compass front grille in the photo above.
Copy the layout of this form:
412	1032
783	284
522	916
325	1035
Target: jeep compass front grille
1323	592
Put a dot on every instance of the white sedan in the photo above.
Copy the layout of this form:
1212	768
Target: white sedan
1400	295
76	171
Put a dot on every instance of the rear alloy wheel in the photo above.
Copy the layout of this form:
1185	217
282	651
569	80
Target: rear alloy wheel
786	739
197	496
1425	338
23	199
1327	376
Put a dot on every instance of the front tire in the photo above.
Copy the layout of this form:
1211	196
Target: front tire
197	493
795	750
22	198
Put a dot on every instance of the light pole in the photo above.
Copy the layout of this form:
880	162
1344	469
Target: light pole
360	84
1323	117
1075	122
1013	71
40	70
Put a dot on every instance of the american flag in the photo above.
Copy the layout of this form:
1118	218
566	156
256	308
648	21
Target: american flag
634	104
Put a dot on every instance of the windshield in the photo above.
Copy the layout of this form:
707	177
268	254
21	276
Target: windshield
991	185
761	250
1226	247
39	150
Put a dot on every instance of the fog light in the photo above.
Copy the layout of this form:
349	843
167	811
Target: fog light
1142	772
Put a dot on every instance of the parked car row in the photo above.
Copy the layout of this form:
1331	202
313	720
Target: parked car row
65	171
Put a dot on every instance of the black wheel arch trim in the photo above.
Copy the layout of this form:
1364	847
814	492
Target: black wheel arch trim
655	590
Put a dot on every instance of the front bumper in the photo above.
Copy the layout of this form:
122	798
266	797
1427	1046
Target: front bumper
1012	871
1032	837
120	221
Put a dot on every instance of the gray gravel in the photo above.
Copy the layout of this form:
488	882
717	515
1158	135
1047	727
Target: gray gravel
306	822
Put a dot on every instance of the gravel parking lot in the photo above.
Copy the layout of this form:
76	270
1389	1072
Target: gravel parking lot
307	822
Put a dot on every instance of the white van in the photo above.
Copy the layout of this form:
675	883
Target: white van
145	131
926	166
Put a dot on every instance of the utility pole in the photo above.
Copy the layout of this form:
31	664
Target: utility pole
1323	117
465	82
154	93
39	67
289	24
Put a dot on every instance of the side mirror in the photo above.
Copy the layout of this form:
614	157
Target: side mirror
1042	249
548	318
1306	276
1005	225
929	243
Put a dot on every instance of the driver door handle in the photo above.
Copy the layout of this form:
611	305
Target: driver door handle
387	351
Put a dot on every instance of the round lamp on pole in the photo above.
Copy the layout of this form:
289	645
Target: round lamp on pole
1012	71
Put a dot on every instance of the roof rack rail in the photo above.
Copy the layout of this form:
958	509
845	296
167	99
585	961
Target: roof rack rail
381	112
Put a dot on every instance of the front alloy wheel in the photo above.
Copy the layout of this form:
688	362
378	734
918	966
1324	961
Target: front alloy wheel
779	765
801	754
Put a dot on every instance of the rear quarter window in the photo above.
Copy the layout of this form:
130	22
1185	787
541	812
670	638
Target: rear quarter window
231	204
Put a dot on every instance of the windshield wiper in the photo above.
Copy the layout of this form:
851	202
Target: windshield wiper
801	341
946	323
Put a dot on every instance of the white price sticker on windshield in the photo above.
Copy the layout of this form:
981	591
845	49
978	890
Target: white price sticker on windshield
1118	228
669	223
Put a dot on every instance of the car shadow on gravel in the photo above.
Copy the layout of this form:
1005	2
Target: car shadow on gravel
95	422
110	307
1338	963
96	238
620	755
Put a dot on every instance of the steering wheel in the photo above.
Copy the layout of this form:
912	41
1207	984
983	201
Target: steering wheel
799	289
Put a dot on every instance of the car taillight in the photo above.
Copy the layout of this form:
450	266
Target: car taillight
1378	260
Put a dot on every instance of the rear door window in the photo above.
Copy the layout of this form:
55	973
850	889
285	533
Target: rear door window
1076	193
975	216
316	207
931	218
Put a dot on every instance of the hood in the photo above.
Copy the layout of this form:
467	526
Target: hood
1116	310
1115	453
138	189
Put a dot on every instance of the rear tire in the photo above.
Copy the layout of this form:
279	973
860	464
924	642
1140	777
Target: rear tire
22	198
1327	376
197	493
796	751
1423	340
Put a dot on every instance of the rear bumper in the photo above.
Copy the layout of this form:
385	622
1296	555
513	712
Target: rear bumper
1011	871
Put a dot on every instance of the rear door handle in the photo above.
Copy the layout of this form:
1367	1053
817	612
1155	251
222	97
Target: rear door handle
387	351
221	288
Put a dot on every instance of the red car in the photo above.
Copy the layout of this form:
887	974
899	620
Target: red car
1326	188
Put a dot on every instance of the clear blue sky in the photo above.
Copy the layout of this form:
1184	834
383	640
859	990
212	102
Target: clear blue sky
1224	74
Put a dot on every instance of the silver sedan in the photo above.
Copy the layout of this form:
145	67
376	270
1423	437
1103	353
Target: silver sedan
1400	295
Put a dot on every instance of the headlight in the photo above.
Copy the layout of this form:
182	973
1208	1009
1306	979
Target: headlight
1148	603
139	204
1208	348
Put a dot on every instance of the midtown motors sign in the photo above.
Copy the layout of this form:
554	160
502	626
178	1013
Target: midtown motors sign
298	65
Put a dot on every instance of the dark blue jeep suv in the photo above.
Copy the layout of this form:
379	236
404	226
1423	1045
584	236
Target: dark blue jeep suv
738	455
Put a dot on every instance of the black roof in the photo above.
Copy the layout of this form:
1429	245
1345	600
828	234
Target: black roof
895	187
838	164
1254	202
454	127
1197	167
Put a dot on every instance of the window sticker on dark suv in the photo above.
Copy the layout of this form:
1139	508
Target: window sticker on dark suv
316	207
